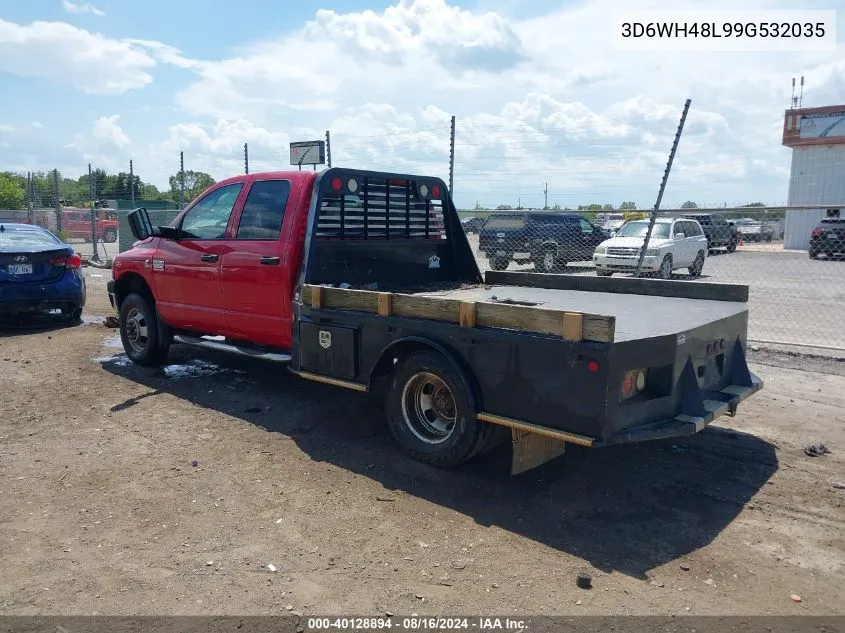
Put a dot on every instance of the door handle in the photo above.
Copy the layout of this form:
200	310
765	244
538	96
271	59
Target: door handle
209	258
269	261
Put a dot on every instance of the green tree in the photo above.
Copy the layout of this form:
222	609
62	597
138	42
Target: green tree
754	204
689	204
607	207
556	207
195	183
628	206
12	192
504	207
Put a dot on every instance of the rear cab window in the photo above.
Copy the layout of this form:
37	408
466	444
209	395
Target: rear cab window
505	223
264	210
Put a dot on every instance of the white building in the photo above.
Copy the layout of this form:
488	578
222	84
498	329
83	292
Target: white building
817	173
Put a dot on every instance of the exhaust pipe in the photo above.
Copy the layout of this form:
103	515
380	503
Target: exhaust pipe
231	349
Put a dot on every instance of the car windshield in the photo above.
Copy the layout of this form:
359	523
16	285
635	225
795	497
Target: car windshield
640	229
25	238
504	223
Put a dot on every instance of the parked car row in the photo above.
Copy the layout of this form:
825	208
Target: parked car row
551	240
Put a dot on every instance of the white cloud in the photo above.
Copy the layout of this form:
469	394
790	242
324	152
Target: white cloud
5	127
67	55
37	124
70	7
108	132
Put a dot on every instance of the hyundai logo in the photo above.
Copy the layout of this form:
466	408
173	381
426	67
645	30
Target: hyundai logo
21	258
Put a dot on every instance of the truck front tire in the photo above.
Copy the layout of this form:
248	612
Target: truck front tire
431	413
110	236
145	339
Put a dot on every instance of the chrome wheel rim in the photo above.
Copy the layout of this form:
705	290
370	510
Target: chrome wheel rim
548	261
429	409
135	330
665	269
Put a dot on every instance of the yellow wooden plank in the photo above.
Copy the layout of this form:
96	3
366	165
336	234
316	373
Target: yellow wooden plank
467	314
317	296
385	304
573	326
435	308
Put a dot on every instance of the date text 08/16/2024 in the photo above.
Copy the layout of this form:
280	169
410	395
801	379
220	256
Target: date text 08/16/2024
416	623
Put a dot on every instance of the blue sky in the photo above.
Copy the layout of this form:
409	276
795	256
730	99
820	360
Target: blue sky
539	93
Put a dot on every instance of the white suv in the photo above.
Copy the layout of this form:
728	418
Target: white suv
675	243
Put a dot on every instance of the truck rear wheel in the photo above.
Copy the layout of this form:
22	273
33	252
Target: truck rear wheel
110	236
145	340
430	411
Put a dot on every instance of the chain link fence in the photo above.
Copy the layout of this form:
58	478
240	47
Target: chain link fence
792	260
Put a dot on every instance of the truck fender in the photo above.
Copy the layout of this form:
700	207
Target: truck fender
410	344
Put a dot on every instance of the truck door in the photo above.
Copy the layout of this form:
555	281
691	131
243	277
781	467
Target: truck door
254	279
187	270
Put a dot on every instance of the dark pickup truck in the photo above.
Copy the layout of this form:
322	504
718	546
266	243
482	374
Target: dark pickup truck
546	239
718	231
365	280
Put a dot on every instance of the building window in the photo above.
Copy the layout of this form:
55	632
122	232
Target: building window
833	213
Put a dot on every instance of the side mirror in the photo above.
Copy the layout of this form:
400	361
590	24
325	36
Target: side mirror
139	224
680	236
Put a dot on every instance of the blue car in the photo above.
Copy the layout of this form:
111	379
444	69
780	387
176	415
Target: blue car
39	274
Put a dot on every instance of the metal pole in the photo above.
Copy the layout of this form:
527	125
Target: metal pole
181	180
57	202
246	158
452	160
29	202
92	192
328	149
662	187
131	184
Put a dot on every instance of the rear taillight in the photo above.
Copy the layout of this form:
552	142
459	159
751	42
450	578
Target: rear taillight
73	261
817	232
633	383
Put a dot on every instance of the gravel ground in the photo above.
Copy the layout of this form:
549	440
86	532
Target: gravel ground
105	512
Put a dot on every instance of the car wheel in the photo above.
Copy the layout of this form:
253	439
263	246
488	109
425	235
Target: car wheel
110	236
697	265
145	339
768	238
813	254
499	263
665	270
430	411
604	273
547	262
74	312
732	246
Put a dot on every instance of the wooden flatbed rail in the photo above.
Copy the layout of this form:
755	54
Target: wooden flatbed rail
571	326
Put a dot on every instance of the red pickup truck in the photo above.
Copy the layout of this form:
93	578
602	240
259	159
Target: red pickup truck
76	222
366	280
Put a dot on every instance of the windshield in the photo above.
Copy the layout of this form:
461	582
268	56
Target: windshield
640	229
505	223
25	238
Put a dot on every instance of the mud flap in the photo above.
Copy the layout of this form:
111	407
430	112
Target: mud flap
532	449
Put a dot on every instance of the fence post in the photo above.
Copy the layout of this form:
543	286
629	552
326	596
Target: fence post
57	201
131	184
452	160
92	192
328	149
246	158
181	180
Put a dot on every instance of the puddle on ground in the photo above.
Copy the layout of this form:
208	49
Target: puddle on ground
93	319
121	360
193	369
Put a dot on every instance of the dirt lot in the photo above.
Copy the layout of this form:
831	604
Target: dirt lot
103	511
